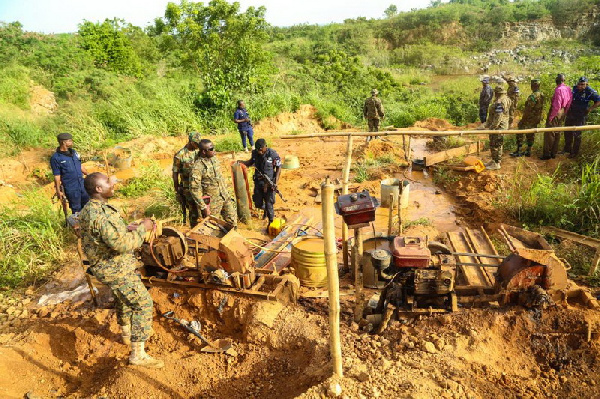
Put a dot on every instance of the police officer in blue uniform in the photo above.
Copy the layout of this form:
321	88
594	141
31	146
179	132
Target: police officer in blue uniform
242	119
577	114
268	162
67	171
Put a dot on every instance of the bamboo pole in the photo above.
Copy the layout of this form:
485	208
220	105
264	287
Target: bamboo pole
358	281
391	213
446	133
332	276
345	178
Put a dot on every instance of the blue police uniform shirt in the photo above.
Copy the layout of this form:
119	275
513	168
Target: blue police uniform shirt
69	169
265	163
581	100
241	113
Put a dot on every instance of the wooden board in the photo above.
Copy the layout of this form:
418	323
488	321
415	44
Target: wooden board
442	156
475	242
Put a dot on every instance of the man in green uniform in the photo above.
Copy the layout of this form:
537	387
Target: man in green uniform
108	244
532	116
206	180
373	112
182	166
514	94
497	119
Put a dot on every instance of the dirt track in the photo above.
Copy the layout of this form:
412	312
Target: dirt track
73	350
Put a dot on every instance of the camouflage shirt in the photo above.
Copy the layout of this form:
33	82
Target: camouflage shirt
206	179
105	239
373	108
513	93
532	113
182	163
498	113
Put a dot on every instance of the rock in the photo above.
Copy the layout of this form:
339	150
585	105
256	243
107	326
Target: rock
11	310
410	345
362	376
429	347
334	390
24	314
562	379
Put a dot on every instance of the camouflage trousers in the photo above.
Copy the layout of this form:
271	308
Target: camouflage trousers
193	213
133	303
530	139
224	209
373	125
496	143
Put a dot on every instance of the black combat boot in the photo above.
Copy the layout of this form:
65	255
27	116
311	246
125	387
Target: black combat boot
528	151
517	153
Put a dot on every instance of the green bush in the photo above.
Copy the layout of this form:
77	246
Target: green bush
32	240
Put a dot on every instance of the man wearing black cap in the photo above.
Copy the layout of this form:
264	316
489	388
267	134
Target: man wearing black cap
67	171
268	163
577	114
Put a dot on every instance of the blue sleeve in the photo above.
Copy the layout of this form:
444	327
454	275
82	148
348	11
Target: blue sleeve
236	114
595	97
55	166
276	158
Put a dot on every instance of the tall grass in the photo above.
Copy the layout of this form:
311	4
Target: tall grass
32	240
571	205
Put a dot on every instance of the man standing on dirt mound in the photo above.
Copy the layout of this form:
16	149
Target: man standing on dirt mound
532	116
577	114
268	163
513	93
182	166
561	101
68	173
241	117
497	120
485	98
373	112
108	244
206	180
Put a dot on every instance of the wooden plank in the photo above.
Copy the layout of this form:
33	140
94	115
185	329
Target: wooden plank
581	239
432	159
479	245
472	275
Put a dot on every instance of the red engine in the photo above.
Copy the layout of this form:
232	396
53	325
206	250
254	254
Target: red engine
410	252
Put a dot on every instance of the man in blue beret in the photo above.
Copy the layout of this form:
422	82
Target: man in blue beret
68	173
577	114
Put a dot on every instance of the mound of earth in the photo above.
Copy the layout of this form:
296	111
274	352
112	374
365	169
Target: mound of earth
304	120
41	100
435	124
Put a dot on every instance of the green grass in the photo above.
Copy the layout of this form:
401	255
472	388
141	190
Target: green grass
230	142
418	222
32	240
444	176
361	173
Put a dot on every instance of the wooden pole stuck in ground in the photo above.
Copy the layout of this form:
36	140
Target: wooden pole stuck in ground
333	282
358	280
345	181
391	213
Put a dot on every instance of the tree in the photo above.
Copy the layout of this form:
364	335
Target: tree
109	46
223	44
391	11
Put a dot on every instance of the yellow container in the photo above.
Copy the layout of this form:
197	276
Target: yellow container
276	226
308	260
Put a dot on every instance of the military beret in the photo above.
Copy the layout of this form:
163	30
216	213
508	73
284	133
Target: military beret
536	81
485	80
510	79
64	136
195	137
582	79
374	91
499	90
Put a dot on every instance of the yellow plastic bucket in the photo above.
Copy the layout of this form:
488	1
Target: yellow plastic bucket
308	260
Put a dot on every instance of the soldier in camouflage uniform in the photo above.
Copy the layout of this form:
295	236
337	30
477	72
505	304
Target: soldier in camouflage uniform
108	244
373	112
182	166
206	180
497	120
514	94
532	115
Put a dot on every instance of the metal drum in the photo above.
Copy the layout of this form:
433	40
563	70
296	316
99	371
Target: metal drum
308	260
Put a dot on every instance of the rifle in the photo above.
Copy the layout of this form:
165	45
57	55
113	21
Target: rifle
270	184
183	203
63	200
